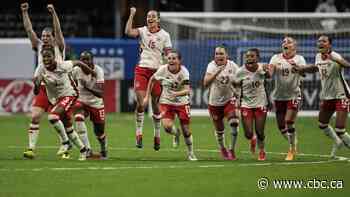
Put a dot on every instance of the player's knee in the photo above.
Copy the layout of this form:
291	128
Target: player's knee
36	115
322	125
289	122
79	117
234	122
53	118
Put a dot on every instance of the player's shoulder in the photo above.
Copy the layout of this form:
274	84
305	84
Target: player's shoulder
232	63
163	31
98	68
336	54
184	69
212	63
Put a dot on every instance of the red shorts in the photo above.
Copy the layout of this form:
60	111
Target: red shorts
252	113
141	79
67	103
169	112
217	113
96	115
283	106
41	99
335	105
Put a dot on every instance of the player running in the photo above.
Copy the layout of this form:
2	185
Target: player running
174	99
62	94
287	93
250	78
41	103
334	94
219	77
90	103
154	44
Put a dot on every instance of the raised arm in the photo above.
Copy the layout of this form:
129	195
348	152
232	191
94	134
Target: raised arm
132	32
209	77
56	27
28	26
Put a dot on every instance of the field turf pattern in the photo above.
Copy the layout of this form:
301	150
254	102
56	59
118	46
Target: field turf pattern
146	173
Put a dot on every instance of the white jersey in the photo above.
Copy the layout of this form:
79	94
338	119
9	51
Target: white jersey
252	84
221	89
59	57
332	78
152	46
172	82
59	83
287	82
89	81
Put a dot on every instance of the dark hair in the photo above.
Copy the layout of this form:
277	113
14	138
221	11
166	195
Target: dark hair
223	46
256	51
177	53
48	48
89	53
330	40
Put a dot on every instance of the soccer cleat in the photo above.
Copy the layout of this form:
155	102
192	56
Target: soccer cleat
224	154
65	155
156	141
83	154
232	154
253	144
335	147
29	154
64	148
103	155
139	141
290	155
262	155
192	157
176	139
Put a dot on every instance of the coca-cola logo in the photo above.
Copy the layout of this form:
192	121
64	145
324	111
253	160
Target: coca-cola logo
16	95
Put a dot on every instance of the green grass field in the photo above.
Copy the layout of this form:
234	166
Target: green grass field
134	172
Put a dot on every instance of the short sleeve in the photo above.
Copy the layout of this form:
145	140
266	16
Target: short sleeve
167	43
273	60
160	72
302	61
211	69
75	73
38	70
99	75
67	66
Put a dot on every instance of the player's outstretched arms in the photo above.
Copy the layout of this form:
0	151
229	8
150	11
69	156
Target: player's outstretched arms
56	27
132	32
28	26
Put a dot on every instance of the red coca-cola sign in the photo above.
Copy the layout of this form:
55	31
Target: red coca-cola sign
16	95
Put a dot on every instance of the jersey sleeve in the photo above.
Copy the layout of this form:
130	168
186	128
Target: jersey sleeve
302	61
75	73
38	70
160	73
100	75
142	30
167	43
211	69
67	66
274	60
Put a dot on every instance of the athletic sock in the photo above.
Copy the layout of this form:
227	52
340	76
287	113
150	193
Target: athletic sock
82	131
156	125
33	135
140	116
220	138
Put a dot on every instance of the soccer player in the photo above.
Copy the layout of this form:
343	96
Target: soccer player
287	93
174	99
250	78
62	94
154	44
90	103
335	92
41	103
219	77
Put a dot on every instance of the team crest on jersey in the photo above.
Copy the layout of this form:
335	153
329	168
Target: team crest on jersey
230	71
179	78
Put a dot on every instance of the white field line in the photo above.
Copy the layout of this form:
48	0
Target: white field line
214	166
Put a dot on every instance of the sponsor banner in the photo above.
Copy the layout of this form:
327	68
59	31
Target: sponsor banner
199	96
17	95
